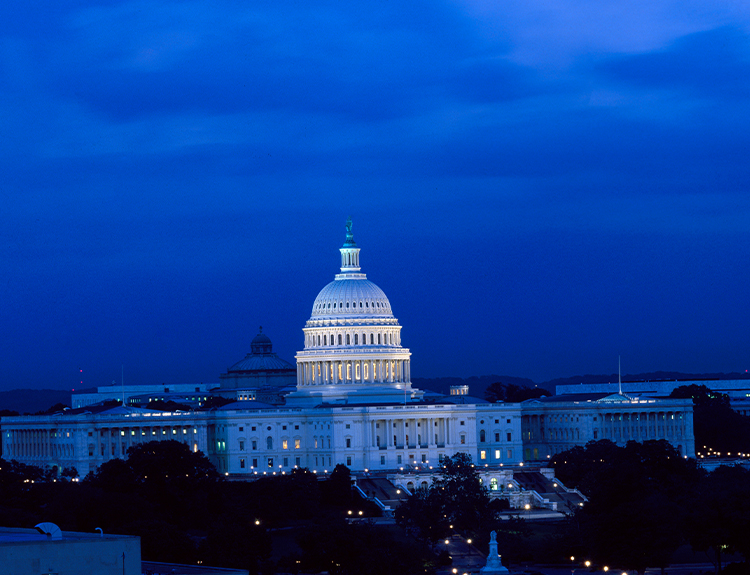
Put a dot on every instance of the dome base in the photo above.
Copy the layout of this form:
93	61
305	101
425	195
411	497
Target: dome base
343	394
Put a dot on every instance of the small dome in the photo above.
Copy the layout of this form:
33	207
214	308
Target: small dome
263	362
261	343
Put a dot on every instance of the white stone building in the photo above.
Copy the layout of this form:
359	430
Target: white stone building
353	404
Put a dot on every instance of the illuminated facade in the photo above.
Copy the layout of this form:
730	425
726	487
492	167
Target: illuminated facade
353	404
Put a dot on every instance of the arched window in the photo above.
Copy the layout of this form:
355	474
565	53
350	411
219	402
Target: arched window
325	340
347	339
356	339
339	339
372	338
379	342
269	442
481	436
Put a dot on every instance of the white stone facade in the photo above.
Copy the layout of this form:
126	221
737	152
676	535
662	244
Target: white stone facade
354	405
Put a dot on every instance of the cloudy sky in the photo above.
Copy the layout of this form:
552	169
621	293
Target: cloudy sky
538	187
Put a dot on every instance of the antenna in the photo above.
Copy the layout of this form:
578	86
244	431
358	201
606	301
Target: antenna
619	376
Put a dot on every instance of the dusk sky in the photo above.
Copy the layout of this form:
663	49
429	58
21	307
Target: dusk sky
538	187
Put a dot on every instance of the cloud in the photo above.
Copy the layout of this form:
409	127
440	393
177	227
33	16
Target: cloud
711	64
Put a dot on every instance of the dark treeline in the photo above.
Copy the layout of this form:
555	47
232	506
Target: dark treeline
185	512
646	501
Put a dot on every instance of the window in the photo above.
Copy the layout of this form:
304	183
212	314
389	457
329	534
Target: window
462	423
297	443
508	435
255	462
481	436
356	339
296	427
507	421
242	446
347	339
463	439
510	454
242	428
483	454
283	427
497	454
252	428
348	426
493	484
296	461
398	459
339	339
242	463
270	462
349	461
348	442
382	460
424	458
254	444
497	437
286	462
269	443
284	444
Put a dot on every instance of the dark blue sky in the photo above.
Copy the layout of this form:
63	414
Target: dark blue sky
538	188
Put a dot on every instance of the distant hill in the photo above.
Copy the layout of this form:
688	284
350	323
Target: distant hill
32	400
477	384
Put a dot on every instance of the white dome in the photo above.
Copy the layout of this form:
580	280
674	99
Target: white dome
351	297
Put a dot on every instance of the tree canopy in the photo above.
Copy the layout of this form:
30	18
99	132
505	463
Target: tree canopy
716	425
512	393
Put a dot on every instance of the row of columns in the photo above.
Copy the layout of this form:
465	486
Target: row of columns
40	444
354	371
420	432
628	427
337	339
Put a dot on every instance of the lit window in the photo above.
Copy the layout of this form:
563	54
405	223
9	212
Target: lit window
483	454
284	444
296	444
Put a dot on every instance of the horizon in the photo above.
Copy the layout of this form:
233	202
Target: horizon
537	189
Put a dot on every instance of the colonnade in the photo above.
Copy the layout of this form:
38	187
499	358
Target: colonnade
333	372
414	432
82	443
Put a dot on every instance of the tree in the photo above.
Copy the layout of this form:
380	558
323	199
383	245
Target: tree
636	510
719	514
512	393
457	499
716	425
337	489
170	463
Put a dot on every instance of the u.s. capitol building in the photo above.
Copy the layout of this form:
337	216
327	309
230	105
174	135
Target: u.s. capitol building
352	403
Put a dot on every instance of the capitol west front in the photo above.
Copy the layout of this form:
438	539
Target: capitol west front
353	403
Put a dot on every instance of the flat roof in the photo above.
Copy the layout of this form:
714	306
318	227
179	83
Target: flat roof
15	535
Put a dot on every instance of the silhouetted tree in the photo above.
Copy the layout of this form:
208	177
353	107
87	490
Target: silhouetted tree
715	424
512	393
457	499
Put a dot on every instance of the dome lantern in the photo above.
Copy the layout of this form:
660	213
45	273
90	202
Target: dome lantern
349	252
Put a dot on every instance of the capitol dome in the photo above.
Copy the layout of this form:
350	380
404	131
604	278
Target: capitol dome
353	346
351	297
